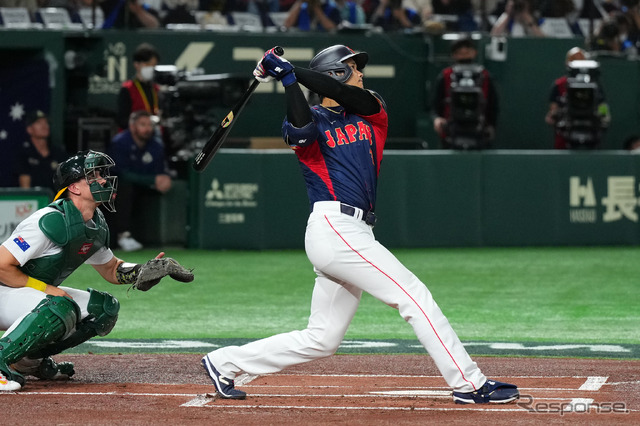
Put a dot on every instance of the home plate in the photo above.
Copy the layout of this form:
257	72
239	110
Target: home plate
432	393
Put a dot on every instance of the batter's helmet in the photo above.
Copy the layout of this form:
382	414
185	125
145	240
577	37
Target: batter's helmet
92	166
331	61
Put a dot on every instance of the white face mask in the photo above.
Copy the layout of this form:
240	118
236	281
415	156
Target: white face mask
146	73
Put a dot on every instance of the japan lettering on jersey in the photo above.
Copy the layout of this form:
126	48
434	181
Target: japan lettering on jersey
343	163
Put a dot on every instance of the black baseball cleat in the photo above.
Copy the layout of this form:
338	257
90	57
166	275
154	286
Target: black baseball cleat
225	386
492	392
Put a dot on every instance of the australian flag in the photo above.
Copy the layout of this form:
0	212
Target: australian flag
24	87
24	246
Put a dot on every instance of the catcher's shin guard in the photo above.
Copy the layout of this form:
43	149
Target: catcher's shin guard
103	311
51	320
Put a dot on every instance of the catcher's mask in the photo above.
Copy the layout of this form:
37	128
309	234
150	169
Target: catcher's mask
94	167
331	61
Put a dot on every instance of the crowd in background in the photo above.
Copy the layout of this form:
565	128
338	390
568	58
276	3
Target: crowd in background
618	21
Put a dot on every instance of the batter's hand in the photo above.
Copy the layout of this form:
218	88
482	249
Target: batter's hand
260	74
277	67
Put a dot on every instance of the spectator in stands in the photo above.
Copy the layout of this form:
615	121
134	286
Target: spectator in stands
351	12
37	158
607	37
625	37
462	9
489	5
393	15
557	8
215	11
562	9
178	11
313	15
518	19
263	7
632	144
128	14
464	52
557	101
72	6
631	10
31	5
140	167
139	93
483	9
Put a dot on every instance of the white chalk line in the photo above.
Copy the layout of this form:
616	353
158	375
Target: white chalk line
470	407
409	376
592	383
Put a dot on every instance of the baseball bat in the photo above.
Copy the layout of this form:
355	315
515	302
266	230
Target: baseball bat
218	137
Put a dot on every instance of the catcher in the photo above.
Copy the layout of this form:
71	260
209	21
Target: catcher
42	318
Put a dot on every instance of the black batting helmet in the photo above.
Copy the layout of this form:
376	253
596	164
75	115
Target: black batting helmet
69	171
331	61
92	166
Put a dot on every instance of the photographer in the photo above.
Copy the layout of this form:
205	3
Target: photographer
465	102
518	19
578	123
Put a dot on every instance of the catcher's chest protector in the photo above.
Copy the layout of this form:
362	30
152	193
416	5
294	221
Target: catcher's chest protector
67	229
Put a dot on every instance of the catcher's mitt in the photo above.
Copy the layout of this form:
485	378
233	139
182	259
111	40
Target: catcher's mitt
154	270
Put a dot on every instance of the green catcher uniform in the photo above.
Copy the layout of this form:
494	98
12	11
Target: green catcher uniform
59	241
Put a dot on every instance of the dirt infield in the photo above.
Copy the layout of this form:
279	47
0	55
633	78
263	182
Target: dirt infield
354	389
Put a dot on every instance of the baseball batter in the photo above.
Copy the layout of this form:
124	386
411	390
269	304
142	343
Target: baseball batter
42	318
339	144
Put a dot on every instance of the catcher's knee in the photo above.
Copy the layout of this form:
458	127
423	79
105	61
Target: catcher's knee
52	319
65	309
103	311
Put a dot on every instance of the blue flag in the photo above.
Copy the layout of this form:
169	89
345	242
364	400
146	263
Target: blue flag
24	87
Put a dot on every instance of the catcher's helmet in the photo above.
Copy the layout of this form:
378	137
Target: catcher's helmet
331	61
94	167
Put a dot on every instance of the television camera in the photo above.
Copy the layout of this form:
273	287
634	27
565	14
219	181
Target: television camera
467	127
583	116
192	105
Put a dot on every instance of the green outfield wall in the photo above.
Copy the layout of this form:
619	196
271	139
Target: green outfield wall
437	198
403	67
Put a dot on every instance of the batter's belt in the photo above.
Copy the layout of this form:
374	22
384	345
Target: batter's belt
368	217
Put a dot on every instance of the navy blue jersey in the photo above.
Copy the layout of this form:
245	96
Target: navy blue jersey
340	155
135	164
41	169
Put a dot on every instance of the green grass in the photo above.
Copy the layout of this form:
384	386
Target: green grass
581	295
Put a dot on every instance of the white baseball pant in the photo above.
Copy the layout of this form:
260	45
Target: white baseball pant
348	260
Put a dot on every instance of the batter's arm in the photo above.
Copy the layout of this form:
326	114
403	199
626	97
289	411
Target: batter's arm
298	112
353	99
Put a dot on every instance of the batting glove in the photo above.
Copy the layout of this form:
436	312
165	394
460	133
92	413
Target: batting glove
260	74
278	68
